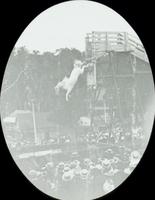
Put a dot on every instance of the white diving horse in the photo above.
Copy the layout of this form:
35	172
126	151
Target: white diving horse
68	83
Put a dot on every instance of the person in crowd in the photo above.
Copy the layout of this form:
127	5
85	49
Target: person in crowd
108	186
133	161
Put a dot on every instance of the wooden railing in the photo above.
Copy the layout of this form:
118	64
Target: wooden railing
98	42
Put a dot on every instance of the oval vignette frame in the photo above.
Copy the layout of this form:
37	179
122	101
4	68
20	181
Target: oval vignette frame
31	110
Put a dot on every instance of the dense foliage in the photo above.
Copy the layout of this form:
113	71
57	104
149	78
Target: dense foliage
32	76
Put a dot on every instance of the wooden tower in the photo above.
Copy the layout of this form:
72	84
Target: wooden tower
119	67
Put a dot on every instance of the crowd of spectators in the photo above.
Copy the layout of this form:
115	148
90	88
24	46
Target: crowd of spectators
100	160
84	177
83	174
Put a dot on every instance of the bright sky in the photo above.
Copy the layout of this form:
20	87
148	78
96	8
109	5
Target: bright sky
66	25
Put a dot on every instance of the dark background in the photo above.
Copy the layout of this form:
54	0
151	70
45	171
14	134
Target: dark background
15	16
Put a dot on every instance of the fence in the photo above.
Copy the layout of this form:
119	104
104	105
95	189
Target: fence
99	42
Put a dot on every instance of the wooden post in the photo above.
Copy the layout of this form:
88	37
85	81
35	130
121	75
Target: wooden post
105	112
106	42
34	125
111	63
94	74
125	41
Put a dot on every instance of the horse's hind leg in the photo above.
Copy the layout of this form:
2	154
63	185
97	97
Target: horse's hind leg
68	94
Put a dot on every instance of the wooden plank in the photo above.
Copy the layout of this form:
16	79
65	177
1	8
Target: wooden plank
140	56
115	41
39	153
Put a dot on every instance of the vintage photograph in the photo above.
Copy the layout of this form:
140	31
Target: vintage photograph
77	101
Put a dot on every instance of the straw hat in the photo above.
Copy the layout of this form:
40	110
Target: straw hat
109	151
135	155
77	162
61	164
127	170
106	163
115	159
108	186
67	176
84	173
66	169
92	166
98	166
134	158
77	170
87	161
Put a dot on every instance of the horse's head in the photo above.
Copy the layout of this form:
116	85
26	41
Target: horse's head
77	63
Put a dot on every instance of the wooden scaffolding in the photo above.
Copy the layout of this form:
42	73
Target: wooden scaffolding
110	53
